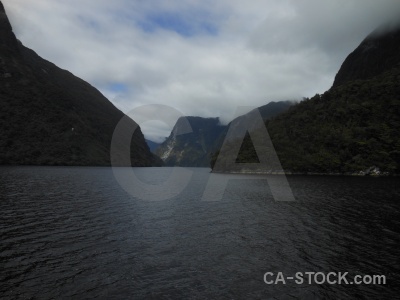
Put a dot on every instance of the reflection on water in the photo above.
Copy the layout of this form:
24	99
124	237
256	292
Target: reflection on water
74	232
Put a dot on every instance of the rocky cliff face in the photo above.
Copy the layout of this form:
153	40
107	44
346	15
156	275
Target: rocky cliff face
191	149
195	149
50	117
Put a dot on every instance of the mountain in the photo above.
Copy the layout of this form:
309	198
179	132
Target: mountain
350	129
377	53
196	148
272	109
191	149
51	117
152	145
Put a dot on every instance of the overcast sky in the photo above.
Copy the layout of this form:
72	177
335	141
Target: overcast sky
201	57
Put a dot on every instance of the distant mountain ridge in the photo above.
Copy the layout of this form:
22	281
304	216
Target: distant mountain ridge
152	145
196	148
191	149
49	116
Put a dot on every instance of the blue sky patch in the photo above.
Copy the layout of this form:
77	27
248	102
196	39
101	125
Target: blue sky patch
117	87
185	25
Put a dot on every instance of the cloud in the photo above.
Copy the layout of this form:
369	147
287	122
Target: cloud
203	58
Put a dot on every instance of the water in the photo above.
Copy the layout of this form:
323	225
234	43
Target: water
74	233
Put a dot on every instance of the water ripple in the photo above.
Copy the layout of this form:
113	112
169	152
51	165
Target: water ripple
74	233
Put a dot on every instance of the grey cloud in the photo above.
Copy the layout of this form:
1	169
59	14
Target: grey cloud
263	50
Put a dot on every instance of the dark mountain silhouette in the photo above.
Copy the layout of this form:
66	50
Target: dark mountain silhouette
352	128
378	52
50	117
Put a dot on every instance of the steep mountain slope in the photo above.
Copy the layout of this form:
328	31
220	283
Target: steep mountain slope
377	53
352	128
195	149
50	117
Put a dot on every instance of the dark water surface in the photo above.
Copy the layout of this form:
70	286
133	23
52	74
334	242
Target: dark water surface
74	233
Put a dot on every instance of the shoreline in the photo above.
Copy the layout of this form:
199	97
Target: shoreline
349	174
